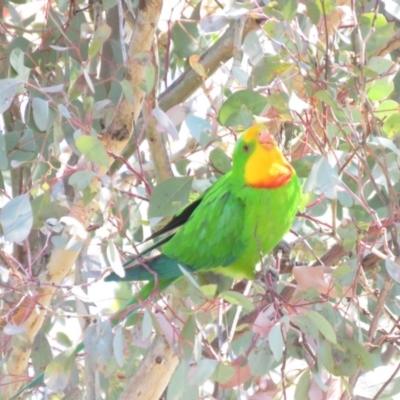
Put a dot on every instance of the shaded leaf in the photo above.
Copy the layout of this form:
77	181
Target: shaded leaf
276	342
115	259
118	346
101	34
179	387
303	386
3	153
8	89
238	299
16	219
260	360
93	149
147	325
81	179
323	325
40	111
203	371
223	373
393	269
229	113
98	342
169	196
58	371
220	160
200	129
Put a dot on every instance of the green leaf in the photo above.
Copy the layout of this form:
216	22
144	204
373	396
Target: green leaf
186	38
220	160
238	299
98	342
58	372
260	359
229	113
147	325
378	30
17	58
81	179
223	373
107	4
21	150
209	290
179	387
64	339
386	109
381	65
3	153
41	353
169	196
40	110
200	129
188	337
393	269
114	259
149	78
276	342
360	353
322	179
303	386
288	8
93	149
118	346
385	143
127	90
306	325
203	370
16	219
326	97
267	69
392	125
323	325
380	89
100	36
303	166
313	12
8	89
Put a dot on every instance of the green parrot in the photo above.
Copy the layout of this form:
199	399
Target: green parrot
240	217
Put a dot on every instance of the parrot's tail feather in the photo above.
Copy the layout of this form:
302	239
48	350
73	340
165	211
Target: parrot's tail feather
161	266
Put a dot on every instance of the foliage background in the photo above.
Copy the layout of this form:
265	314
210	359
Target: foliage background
113	118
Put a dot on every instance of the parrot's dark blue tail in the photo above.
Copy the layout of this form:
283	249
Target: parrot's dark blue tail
162	266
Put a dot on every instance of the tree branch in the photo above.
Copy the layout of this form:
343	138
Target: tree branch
154	372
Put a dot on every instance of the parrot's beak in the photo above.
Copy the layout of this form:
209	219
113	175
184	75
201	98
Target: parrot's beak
266	140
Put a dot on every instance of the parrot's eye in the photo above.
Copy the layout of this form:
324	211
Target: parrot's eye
246	148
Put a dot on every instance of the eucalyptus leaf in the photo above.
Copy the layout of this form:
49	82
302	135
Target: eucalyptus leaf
93	149
58	371
229	113
237	299
169	196
8	89
40	110
16	218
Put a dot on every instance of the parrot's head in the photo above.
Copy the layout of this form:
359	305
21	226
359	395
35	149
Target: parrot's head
258	158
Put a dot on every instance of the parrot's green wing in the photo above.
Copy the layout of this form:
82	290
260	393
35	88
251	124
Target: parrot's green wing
177	220
210	237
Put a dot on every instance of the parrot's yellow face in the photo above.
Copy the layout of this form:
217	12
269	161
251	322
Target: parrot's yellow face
266	166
